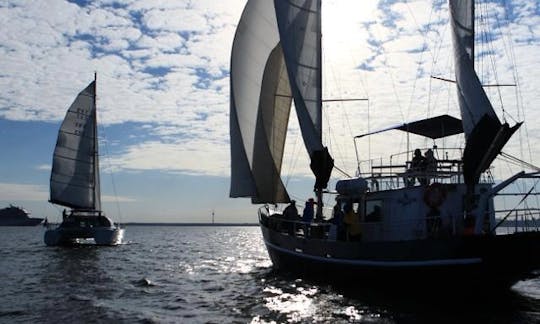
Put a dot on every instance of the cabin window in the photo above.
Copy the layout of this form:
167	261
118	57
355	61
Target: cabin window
373	211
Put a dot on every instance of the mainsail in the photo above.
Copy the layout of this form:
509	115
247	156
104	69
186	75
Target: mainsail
75	169
276	56
484	133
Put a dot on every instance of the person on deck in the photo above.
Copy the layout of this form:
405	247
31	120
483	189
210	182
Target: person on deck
430	166
290	215
291	212
417	165
352	223
337	229
307	215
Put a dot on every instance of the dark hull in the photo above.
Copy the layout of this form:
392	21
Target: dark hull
496	261
78	227
22	222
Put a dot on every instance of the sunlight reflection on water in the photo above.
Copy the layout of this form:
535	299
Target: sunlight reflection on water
201	275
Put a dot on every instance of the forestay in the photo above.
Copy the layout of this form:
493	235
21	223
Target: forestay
75	171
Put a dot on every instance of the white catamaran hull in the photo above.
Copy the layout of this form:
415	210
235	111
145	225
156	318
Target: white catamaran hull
67	236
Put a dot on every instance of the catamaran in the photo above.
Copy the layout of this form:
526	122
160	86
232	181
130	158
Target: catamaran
75	181
434	225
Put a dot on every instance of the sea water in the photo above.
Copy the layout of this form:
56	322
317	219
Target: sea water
181	274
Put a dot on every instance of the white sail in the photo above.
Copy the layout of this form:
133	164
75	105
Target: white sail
484	132
260	106
276	41
299	24
75	170
473	101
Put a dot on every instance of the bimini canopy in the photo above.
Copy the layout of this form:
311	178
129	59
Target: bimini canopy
435	127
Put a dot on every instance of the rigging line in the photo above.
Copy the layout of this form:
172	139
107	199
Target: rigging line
293	160
345	100
102	128
518	94
419	29
343	109
511	157
384	61
434	55
342	172
419	64
519	203
491	49
512	162
483	85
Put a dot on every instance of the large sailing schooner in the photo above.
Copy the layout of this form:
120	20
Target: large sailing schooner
75	181
435	225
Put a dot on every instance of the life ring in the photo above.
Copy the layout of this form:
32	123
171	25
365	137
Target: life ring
434	195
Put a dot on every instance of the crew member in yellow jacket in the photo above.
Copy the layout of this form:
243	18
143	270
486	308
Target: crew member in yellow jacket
352	224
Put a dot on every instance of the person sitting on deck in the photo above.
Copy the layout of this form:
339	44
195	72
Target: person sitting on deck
290	215
417	165
291	212
430	167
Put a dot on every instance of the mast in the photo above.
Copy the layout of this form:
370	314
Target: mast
96	182
319	191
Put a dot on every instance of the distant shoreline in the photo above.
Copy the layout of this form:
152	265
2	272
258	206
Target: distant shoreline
189	224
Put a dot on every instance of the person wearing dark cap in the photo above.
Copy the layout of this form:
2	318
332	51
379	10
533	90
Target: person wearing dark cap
307	215
291	212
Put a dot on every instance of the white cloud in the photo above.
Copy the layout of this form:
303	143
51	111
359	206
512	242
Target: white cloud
23	192
31	192
44	167
50	51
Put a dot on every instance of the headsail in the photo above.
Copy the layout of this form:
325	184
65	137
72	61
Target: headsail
275	42
484	133
75	169
299	23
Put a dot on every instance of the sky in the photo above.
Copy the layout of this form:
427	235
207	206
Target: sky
163	93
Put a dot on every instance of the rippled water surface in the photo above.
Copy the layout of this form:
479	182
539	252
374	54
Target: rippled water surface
210	275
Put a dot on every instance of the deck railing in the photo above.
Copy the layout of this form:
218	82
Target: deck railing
397	171
524	220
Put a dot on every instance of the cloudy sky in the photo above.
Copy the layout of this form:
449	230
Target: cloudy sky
163	92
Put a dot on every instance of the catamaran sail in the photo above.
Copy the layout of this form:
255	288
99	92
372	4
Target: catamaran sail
484	133
276	57
75	170
75	178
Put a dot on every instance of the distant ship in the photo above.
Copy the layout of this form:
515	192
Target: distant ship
17	216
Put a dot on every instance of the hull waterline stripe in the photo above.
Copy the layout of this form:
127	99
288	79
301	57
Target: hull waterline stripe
371	263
